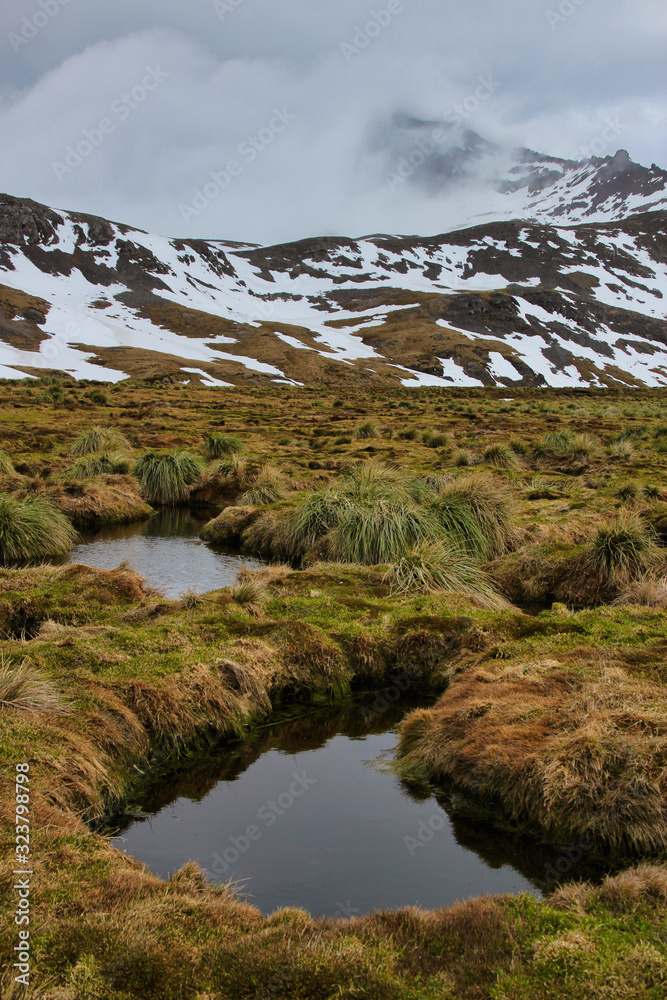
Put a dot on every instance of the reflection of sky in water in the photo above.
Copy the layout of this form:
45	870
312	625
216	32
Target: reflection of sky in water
166	551
341	844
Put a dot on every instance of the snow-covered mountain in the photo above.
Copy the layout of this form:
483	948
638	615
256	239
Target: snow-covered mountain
503	303
471	180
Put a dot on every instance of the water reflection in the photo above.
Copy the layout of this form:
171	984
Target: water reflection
359	834
165	550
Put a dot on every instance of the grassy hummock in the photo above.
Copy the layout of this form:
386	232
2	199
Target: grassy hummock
32	530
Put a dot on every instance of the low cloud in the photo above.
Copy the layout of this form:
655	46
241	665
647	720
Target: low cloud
339	76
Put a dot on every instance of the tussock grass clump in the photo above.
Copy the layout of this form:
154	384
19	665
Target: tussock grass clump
480	510
370	481
621	449
316	517
628	491
652	492
233	467
193	599
167	477
500	456
438	568
32	530
366	431
622	549
379	533
376	514
106	464
268	486
566	446
22	689
97	439
435	439
250	594
548	489
6	465
221	445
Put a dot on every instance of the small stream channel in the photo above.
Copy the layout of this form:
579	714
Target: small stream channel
306	811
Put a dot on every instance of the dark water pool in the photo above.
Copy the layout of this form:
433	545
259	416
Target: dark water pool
165	550
307	813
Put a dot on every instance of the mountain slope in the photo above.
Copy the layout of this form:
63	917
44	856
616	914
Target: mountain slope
508	303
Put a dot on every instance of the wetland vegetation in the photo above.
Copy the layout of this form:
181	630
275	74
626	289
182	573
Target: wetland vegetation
502	550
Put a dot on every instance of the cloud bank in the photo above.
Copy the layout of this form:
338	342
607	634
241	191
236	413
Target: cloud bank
256	121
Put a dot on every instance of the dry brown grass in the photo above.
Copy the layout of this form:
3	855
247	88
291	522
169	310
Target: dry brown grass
250	594
266	575
104	500
571	751
644	884
550	573
648	591
23	689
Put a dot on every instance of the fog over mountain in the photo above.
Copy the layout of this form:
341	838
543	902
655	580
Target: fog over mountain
301	113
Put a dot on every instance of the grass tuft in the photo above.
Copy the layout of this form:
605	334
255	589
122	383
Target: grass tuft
622	549
251	594
22	689
479	511
232	467
221	445
366	431
437	568
97	439
268	486
500	456
379	533
167	477
32	530
106	464
646	591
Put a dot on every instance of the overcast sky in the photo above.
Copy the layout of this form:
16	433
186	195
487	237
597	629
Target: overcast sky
287	94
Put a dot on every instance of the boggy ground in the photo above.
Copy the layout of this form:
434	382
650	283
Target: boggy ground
554	723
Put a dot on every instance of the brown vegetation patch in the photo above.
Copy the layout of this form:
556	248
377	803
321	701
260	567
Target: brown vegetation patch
572	753
103	500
